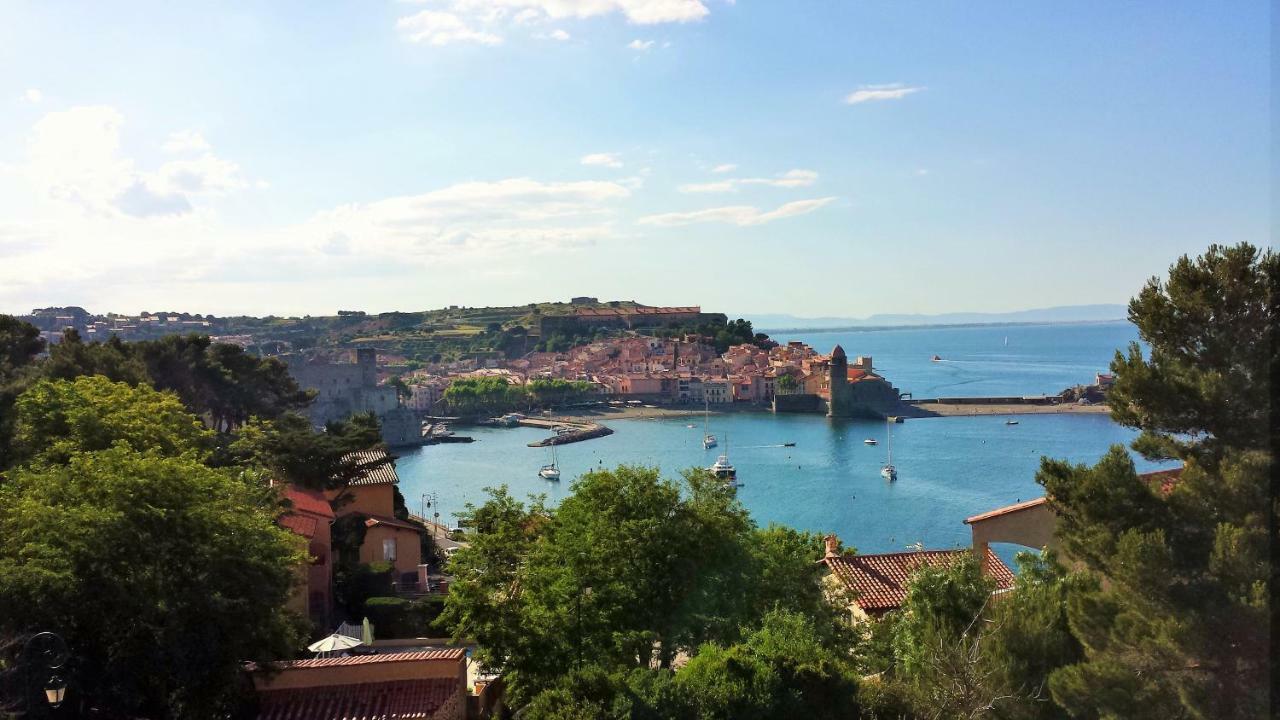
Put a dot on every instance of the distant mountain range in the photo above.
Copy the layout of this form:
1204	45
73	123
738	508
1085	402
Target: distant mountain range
1062	314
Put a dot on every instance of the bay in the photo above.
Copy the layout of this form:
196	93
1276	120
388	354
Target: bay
948	468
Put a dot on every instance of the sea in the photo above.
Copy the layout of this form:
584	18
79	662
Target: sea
948	468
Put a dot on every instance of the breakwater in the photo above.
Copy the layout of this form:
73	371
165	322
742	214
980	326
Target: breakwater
567	431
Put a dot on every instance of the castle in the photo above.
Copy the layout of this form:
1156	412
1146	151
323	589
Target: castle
344	389
857	393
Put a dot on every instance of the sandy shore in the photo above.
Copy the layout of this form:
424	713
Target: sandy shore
952	410
914	411
604	415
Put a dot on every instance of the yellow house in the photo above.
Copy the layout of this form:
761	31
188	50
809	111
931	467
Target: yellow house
387	538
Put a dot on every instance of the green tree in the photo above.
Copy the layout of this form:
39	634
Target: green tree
783	669
291	449
628	572
1179	627
1027	636
112	359
163	574
20	342
56	419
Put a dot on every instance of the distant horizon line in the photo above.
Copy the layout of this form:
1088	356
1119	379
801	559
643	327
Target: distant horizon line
935	326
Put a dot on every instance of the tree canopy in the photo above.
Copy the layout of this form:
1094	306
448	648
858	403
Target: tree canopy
162	573
1179	627
630	572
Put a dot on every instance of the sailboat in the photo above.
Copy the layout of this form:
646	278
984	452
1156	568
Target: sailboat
722	469
889	472
552	471
708	440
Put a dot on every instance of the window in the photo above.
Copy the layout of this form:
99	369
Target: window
389	549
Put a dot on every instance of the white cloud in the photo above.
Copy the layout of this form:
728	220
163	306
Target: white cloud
602	160
74	156
33	96
640	12
185	141
741	215
724	168
475	218
872	93
441	28
483	21
789	179
640	45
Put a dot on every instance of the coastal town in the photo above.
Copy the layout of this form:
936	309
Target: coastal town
631	360
639	360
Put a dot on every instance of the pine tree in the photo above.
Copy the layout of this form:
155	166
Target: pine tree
1177	625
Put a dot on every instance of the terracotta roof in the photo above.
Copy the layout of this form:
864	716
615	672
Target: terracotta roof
392	522
1167	479
300	524
880	581
1006	510
365	701
385	473
308	501
420	656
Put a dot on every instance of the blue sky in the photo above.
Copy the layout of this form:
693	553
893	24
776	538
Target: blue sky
813	158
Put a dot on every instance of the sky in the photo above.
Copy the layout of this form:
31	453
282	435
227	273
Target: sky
814	158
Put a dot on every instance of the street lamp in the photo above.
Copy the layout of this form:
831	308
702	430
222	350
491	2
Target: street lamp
42	660
55	690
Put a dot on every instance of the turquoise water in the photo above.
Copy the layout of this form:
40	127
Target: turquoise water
1038	359
948	468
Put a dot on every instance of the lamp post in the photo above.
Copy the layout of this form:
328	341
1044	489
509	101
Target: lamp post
43	659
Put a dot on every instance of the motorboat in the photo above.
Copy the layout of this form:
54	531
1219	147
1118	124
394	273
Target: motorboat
937	358
1010	422
870	441
723	470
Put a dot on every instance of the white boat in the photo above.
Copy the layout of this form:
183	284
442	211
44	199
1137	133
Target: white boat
708	440
552	471
889	472
870	441
1010	422
723	470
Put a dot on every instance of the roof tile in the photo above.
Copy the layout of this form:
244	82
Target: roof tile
385	473
880	581
365	701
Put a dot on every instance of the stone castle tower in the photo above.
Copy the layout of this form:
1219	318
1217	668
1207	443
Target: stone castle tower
838	382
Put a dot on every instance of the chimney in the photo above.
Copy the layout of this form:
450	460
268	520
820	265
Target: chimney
833	546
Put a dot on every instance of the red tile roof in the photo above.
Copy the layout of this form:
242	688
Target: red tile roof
880	581
1166	478
300	524
365	701
308	501
385	473
392	522
452	654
